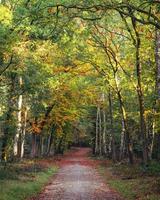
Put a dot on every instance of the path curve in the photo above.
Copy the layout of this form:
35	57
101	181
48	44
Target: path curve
77	179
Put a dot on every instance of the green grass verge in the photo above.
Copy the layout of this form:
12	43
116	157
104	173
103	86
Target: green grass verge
122	187
131	183
20	186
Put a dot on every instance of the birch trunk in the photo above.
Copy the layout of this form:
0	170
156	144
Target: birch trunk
19	126
23	133
111	128
100	133
19	122
122	145
97	132
104	147
104	133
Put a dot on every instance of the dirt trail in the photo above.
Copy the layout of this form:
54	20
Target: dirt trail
77	179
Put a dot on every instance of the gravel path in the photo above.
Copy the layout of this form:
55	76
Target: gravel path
77	179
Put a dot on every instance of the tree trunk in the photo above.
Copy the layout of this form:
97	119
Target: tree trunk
151	138
8	124
157	98
104	147
104	133
111	127
97	132
17	138
50	139
157	58
16	145
5	137
33	148
122	144
100	133
127	135
23	133
140	95
124	119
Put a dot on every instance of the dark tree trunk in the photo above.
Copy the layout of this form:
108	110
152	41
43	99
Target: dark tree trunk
140	95
51	137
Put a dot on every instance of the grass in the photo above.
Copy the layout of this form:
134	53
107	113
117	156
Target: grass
21	181
133	182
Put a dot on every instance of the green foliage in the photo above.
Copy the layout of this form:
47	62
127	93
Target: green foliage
67	57
17	185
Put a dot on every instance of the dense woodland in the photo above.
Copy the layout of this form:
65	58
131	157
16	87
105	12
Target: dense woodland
76	72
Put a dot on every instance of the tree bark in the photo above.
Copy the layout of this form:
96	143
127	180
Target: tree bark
22	141
8	124
157	58
124	119
111	127
126	132
97	132
140	95
33	147
122	144
100	133
50	139
157	109
104	147
16	145
104	133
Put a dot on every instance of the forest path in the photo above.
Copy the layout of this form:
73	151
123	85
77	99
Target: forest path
77	179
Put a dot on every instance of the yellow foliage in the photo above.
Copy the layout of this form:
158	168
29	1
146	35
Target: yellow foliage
5	15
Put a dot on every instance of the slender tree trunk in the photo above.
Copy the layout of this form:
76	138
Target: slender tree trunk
23	133
97	132
100	133
8	124
157	109
33	147
127	135
151	139
104	133
19	123
5	138
128	139
122	145
111	127
140	95
49	143
104	127
38	145
50	139
157	58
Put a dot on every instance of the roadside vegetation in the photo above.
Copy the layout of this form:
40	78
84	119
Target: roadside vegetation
23	180
133	182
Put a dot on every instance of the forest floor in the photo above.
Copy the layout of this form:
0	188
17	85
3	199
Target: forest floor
132	182
78	175
78	179
20	180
